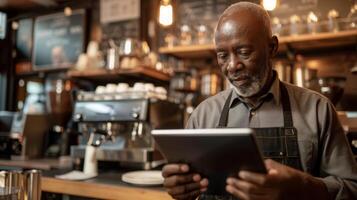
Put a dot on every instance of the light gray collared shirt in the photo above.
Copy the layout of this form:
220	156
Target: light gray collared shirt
322	143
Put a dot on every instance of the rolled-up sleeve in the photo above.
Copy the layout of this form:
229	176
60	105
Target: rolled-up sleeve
338	168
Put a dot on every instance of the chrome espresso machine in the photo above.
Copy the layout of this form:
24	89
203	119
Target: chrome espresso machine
120	125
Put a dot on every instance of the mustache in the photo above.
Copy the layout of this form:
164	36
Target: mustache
239	76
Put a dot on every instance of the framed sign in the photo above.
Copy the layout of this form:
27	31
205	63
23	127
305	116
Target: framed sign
114	10
2	25
24	39
58	40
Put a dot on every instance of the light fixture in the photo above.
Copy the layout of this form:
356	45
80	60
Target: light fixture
354	69
312	17
67	11
165	13
14	25
269	5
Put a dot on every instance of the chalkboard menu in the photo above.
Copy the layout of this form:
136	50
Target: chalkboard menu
58	40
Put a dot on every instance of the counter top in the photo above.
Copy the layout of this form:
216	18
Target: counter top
101	191
105	186
42	164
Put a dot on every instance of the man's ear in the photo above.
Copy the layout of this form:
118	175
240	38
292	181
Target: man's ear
273	46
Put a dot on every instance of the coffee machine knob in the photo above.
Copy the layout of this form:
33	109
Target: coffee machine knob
16	147
78	117
135	115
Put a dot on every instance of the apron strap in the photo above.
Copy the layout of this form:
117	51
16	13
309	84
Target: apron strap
223	120
285	100
288	118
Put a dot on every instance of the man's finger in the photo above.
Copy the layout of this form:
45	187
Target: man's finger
259	179
245	186
237	193
184	189
190	195
171	169
175	180
246	196
272	164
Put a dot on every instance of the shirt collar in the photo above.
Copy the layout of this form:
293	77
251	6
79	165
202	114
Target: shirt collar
274	91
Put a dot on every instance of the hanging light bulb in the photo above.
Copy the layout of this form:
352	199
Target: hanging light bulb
165	13
67	11
269	5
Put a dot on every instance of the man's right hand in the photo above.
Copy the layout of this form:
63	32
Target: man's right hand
181	184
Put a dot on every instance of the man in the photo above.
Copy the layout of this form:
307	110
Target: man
314	159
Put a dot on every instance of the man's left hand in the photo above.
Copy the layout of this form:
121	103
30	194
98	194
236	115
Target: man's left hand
281	182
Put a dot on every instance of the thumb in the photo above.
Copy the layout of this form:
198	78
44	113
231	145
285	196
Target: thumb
272	166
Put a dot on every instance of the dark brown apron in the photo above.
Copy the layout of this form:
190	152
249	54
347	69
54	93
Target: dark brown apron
277	143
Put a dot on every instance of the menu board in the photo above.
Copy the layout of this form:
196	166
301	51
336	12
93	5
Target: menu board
58	40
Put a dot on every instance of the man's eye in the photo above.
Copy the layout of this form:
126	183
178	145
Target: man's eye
222	56
245	52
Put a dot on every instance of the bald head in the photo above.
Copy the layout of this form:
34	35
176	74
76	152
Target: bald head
248	16
245	48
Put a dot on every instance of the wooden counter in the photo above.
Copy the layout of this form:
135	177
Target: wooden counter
107	186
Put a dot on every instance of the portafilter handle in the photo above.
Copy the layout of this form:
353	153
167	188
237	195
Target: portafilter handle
97	138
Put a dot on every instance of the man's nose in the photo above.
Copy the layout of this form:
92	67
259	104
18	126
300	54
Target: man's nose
234	63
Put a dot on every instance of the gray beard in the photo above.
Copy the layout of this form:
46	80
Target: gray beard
249	91
256	84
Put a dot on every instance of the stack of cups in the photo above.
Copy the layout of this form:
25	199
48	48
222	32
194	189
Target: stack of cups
22	185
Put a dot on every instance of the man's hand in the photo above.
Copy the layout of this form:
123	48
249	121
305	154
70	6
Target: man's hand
180	183
281	182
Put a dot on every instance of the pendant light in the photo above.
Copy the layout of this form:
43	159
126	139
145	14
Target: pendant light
165	13
269	5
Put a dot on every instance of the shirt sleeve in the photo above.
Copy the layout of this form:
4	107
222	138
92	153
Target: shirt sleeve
192	121
338	167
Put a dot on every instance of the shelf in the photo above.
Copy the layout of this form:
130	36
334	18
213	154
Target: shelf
319	40
190	51
300	42
103	75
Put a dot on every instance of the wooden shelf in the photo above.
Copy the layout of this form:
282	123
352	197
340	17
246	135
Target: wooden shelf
91	189
300	42
138	73
190	51
319	40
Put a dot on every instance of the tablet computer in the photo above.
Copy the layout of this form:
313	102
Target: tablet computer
214	153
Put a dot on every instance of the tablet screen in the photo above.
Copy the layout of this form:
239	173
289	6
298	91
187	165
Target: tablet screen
214	153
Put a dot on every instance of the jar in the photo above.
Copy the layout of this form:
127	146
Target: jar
185	35
203	34
184	81
211	83
333	25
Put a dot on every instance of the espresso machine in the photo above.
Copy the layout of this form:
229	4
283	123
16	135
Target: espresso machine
8	144
23	132
121	127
